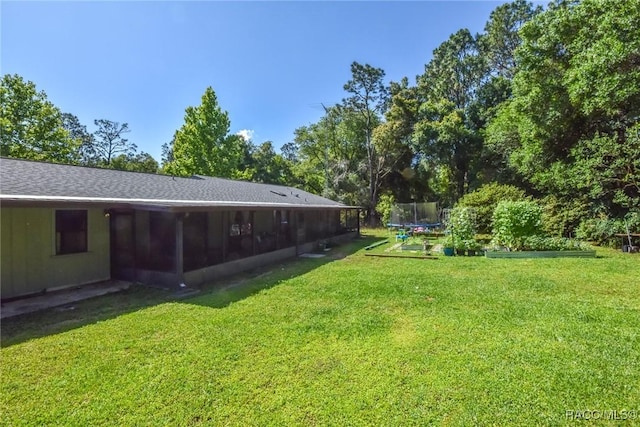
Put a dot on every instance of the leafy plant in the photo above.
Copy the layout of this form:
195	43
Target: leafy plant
448	241
472	244
513	222
462	223
544	243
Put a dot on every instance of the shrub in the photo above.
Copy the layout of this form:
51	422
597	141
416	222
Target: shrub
562	217
514	221
602	230
384	208
485	199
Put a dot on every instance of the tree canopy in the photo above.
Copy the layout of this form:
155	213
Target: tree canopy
203	144
571	127
31	127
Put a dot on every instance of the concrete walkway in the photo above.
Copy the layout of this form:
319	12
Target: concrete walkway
62	297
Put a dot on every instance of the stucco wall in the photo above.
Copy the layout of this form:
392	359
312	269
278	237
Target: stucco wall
27	252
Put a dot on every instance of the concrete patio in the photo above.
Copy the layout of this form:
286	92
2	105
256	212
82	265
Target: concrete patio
60	298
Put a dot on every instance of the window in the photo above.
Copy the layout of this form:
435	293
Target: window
71	231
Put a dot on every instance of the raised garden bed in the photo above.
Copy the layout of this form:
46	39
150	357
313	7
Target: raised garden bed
402	256
541	254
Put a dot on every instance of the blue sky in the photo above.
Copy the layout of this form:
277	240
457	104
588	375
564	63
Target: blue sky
271	64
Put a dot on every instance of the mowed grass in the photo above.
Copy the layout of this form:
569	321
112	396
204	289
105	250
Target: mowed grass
353	340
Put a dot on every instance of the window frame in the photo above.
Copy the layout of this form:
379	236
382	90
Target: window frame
68	225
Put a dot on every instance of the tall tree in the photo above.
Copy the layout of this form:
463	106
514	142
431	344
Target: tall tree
31	127
203	144
392	143
576	101
369	98
332	156
445	136
109	141
85	140
501	37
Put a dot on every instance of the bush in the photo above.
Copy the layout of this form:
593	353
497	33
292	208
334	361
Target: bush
602	230
485	199
513	222
384	208
562	217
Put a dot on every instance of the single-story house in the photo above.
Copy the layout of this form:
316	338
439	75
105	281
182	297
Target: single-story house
64	226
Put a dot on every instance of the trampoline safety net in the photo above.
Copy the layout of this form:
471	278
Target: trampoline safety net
424	214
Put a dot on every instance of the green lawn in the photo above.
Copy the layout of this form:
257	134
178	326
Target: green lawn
343	340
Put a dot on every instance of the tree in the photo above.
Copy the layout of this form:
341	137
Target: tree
399	174
445	136
31	127
368	98
109	141
332	156
85	140
203	144
140	162
269	167
571	126
456	71
501	37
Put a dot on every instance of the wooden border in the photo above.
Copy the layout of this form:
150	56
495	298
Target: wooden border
402	256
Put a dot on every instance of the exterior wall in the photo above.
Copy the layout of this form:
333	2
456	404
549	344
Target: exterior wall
210	274
29	264
27	252
343	238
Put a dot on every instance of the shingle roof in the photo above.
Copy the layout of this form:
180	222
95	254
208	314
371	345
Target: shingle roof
24	180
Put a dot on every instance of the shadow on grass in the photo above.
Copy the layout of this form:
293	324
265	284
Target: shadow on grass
25	327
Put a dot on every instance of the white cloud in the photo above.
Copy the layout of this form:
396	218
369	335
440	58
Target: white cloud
247	134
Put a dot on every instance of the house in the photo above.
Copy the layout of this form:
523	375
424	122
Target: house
64	226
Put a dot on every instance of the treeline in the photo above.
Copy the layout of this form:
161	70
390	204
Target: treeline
33	128
546	101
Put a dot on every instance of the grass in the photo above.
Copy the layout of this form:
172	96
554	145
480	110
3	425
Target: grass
341	341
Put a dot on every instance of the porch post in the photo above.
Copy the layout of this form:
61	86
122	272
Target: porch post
358	221
180	248
295	230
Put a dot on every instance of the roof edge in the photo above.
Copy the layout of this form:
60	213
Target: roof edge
165	202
